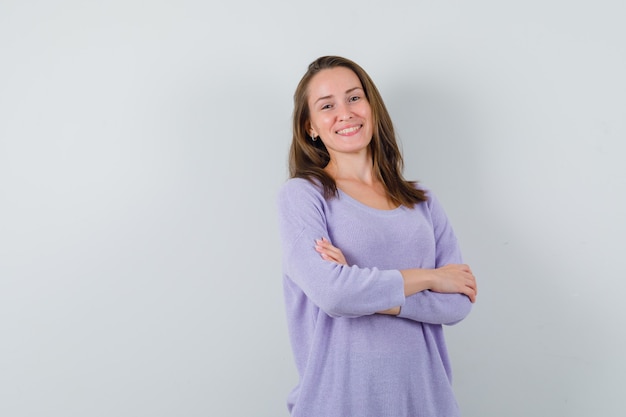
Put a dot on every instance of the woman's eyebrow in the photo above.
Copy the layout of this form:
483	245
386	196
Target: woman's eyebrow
331	96
352	89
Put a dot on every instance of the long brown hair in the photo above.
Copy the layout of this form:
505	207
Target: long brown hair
307	158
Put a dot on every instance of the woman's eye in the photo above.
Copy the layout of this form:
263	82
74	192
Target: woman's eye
354	98
326	106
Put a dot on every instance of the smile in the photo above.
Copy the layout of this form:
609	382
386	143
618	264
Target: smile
349	130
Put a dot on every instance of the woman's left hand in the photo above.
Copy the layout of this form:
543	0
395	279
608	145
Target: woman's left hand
329	252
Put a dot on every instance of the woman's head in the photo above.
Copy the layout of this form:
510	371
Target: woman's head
340	116
309	156
312	154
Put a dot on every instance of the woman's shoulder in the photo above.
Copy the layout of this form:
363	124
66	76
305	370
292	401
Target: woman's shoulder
432	203
300	185
431	197
299	190
423	188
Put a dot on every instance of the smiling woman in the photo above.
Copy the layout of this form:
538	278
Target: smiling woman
340	113
365	312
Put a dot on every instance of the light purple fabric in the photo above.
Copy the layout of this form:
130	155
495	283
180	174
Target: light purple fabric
352	362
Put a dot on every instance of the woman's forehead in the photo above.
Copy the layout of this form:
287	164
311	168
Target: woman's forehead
333	81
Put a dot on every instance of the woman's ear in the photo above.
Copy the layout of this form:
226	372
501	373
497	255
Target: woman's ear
310	130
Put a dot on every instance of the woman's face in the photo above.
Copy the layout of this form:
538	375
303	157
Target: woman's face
340	113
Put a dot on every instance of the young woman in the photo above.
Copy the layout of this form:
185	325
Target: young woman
365	312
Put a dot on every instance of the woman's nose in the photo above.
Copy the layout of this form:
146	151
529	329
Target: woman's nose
344	112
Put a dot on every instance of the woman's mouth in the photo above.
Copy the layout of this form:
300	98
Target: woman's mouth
349	130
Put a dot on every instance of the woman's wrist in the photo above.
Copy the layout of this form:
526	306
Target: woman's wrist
416	280
391	312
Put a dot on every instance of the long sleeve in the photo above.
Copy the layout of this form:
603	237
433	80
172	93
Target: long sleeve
338	290
428	306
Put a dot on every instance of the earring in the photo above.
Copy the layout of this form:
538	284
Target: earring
313	138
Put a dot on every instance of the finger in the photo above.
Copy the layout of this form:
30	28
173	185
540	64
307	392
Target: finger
326	244
322	243
329	248
327	254
468	288
471	284
471	295
474	295
327	257
324	249
474	284
335	254
334	251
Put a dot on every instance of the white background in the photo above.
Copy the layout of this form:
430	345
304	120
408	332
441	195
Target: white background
142	145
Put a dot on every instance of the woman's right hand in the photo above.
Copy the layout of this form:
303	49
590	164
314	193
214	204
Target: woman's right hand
455	278
329	252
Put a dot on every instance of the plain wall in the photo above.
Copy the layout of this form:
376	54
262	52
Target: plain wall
142	145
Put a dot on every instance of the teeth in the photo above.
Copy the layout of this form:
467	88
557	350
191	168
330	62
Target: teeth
348	130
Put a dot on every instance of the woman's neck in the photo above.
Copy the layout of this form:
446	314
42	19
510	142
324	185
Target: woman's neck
354	169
